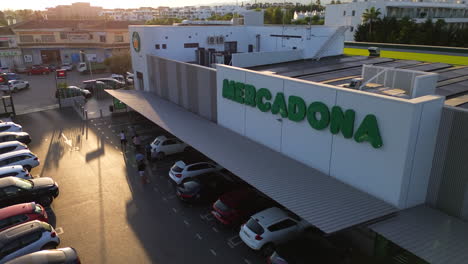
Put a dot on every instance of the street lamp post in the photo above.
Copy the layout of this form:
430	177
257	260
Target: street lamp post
89	63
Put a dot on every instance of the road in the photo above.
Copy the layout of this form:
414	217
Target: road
41	94
103	209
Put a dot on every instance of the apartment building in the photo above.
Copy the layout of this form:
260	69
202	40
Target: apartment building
79	10
10	54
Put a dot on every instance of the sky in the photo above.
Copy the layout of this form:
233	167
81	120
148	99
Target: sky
41	5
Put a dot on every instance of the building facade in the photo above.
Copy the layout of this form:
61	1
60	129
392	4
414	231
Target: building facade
10	54
60	41
350	14
77	10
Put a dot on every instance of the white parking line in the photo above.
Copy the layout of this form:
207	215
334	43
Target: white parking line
213	252
164	199
198	236
234	241
175	210
247	261
59	230
186	223
207	217
214	229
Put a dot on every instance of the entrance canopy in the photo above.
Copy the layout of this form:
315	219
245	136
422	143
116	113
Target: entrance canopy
323	201
427	233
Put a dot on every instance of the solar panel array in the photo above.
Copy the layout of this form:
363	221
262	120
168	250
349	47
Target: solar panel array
453	80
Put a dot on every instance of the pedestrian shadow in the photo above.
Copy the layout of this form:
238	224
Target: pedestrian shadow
100	151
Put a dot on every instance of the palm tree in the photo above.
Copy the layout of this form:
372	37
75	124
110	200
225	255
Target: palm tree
370	16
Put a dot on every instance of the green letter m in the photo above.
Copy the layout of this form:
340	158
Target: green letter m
228	89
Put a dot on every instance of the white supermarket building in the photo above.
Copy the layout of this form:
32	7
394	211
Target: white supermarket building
379	164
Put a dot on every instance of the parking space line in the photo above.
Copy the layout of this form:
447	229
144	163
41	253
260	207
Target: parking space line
175	210
59	230
234	241
186	223
213	252
198	236
164	199
215	229
247	261
207	217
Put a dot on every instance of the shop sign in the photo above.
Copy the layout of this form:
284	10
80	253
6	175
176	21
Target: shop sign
78	37
136	41
10	53
317	114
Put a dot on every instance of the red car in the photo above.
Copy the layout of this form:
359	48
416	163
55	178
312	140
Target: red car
38	69
235	207
21	213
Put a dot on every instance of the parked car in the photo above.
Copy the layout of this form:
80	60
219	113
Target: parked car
10	146
235	207
21	70
118	77
21	213
14	86
66	255
22	137
4	70
67	66
15	171
14	190
162	146
111	83
130	78
72	91
52	67
270	227
24	157
10	76
313	248
38	69
180	171
206	187
27	238
107	83
10	127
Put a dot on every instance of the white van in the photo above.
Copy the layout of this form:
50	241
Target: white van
21	157
15	171
10	146
10	127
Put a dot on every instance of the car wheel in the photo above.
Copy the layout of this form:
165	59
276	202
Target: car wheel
27	167
49	246
268	249
160	156
27	86
45	201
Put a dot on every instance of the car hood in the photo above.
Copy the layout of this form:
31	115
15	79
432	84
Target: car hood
43	182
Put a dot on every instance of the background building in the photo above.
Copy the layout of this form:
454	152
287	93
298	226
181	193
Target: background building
350	14
74	11
10	54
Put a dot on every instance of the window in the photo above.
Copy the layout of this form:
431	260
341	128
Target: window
10	190
169	142
190	45
31	238
282	225
4	128
10	247
353	13
8	174
119	38
91	36
26	38
157	46
344	13
47	38
164	46
4	44
102	38
253	225
18	219
63	35
198	167
4	223
352	29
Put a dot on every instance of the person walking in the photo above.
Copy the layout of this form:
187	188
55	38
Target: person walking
123	141
141	172
137	142
139	158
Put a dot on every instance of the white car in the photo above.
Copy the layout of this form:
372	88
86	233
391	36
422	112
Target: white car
24	157
118	77
180	171
269	227
14	86
163	146
27	238
67	66
130	77
10	127
10	146
15	171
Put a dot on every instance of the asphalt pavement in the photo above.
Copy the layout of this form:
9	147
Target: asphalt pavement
105	212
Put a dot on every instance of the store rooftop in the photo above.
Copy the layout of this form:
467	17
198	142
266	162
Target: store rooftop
452	80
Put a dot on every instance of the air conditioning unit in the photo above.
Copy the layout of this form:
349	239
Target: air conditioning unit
220	39
211	40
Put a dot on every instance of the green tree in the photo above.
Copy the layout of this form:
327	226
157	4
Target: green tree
277	16
370	16
3	21
163	21
119	64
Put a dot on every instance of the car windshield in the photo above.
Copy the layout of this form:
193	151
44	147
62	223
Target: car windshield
253	225
24	184
221	206
176	168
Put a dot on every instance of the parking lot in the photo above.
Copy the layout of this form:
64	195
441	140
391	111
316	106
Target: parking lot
106	213
41	94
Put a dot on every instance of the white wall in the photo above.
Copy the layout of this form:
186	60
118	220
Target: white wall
397	172
267	57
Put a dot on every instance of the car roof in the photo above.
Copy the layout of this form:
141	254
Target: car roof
15	153
8	123
11	168
13	133
51	256
197	163
20	230
23	208
162	137
234	198
270	216
7	181
10	143
108	79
